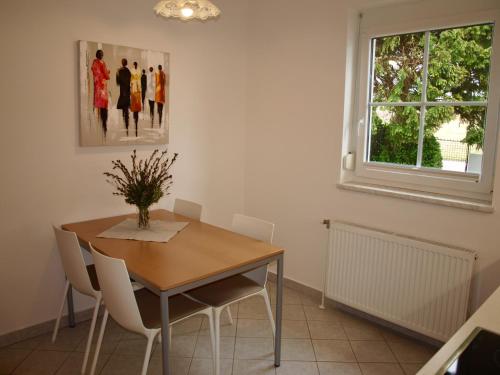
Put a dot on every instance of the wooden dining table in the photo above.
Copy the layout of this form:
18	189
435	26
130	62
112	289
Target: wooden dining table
198	255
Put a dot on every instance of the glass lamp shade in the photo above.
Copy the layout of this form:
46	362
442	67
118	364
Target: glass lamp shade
187	9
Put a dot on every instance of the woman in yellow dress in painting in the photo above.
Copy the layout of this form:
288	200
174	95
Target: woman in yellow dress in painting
135	94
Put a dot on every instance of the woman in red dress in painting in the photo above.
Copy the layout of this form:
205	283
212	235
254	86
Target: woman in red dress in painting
101	76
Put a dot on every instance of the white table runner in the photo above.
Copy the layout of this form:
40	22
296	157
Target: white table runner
158	231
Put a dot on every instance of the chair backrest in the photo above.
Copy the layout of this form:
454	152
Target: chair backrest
260	230
117	292
188	209
73	262
252	227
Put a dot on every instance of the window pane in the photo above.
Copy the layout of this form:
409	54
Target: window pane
397	68
454	138
394	134
459	63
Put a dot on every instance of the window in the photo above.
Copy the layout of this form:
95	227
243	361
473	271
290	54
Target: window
428	108
428	98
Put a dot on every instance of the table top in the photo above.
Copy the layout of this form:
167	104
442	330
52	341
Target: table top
487	317
197	252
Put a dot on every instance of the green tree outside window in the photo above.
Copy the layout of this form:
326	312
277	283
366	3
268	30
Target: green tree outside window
458	70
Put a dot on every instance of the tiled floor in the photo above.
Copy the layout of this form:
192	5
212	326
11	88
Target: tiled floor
315	342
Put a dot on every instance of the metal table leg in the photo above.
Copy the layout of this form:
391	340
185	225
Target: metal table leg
279	310
165	335
71	308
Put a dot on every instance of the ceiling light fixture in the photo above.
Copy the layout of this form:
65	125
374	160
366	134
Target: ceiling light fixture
187	9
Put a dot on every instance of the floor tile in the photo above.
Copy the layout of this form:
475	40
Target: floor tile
11	358
381	369
226	329
234	312
333	350
178	366
113	326
32	343
249	309
124	365
292	312
411	351
108	346
357	329
328	315
272	294
290	297
43	362
129	335
132	347
391	335
73	364
67	339
372	351
254	328
224	318
188	327
182	346
297	368
308	300
337	368
253	367
411	368
254	348
295	329
203	347
326	330
203	366
297	350
254	300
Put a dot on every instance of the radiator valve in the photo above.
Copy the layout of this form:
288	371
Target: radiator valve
326	222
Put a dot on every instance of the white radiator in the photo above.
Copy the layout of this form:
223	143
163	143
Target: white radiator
415	284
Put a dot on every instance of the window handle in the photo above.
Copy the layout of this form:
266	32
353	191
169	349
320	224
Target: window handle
361	127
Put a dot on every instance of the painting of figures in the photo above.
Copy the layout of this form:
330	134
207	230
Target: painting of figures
124	95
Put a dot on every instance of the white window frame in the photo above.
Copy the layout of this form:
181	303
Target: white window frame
467	185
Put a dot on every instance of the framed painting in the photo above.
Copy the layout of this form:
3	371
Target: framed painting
124	95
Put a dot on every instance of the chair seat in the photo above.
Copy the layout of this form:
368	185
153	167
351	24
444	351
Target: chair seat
179	307
93	277
225	291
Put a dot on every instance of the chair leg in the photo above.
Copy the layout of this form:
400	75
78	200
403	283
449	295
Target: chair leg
210	315
99	341
228	309
91	334
216	325
147	356
269	311
61	307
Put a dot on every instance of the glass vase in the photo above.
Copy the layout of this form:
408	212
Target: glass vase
143	218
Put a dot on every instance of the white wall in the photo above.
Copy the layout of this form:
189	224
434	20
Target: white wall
297	76
47	178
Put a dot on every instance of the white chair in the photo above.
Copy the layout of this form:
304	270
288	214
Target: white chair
221	294
139	312
188	209
81	277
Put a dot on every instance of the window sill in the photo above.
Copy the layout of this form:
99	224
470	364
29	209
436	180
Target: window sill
417	196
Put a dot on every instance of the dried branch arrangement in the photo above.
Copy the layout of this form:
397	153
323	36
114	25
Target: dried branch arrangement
145	183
